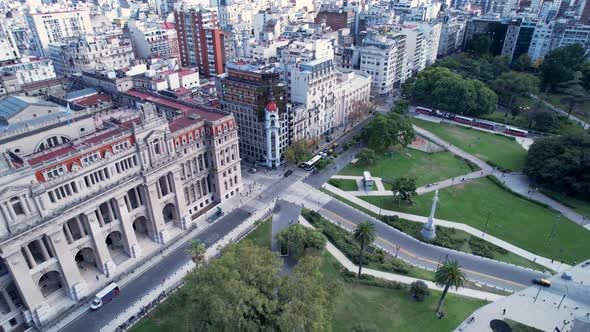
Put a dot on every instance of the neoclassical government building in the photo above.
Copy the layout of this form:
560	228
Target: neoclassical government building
85	196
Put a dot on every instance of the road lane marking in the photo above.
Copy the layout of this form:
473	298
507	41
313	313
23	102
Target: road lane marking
425	259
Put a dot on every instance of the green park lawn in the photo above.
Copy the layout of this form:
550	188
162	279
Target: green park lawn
403	162
344	184
262	235
498	150
556	100
385	309
565	126
580	206
511	218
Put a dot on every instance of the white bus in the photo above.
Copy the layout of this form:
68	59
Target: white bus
308	165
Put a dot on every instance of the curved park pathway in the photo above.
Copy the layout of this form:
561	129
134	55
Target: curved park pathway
517	182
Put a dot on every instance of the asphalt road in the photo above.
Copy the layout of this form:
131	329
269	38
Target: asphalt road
491	272
136	289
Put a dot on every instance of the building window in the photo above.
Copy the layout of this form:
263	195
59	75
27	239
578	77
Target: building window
17	206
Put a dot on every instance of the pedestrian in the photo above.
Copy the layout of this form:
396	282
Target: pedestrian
504	311
97	277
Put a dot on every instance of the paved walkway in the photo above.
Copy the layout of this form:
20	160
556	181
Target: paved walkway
546	262
342	259
579	121
544	307
516	182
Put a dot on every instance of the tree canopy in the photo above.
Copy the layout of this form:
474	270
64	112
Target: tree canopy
404	188
388	130
367	157
297	152
561	163
512	84
301	239
560	64
522	63
242	291
450	92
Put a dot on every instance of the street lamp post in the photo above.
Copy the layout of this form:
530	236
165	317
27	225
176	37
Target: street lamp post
537	294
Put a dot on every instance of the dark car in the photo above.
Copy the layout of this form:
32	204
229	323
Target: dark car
288	172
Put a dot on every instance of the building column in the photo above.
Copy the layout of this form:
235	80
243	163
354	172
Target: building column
23	203
11	211
105	262
44	251
181	204
154	208
80	226
111	212
30	257
27	287
68	232
76	286
99	217
8	300
131	246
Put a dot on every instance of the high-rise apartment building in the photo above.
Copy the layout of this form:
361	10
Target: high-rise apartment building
256	97
8	46
47	28
201	42
153	39
384	58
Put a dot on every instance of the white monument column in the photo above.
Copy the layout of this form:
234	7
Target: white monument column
429	230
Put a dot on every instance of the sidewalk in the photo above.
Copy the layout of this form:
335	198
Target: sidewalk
176	242
579	121
177	278
546	262
400	278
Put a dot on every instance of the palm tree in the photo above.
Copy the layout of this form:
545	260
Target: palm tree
364	235
197	251
449	274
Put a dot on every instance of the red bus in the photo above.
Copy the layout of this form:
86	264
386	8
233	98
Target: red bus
424	110
484	124
463	119
516	132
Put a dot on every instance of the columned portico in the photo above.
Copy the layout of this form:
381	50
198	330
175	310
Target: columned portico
155	212
76	286
105	262
131	246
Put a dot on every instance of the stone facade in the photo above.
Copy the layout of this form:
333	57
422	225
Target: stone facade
76	215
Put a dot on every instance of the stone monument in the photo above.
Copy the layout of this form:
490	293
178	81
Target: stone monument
429	230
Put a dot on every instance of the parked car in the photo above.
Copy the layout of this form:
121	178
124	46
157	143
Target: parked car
288	172
542	282
566	276
252	170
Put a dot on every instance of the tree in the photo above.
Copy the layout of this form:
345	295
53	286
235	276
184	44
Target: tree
301	239
401	107
560	64
358	111
448	275
522	63
243	291
305	298
449	92
586	75
574	93
364	235
404	189
479	45
511	85
542	120
197	251
419	290
297	152
367	157
388	130
561	163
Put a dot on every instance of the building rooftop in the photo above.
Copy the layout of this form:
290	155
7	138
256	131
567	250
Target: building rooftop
206	114
71	96
11	105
